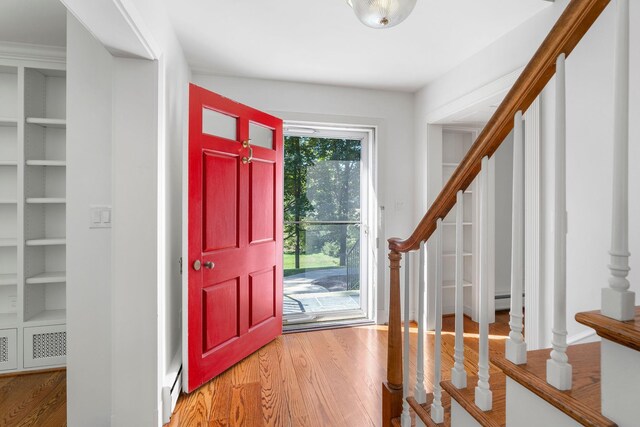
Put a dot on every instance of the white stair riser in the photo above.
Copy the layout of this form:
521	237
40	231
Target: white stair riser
526	409
620	383
460	417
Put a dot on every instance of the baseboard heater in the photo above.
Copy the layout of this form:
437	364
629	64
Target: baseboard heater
170	397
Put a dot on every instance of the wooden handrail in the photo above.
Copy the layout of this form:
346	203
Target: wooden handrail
572	25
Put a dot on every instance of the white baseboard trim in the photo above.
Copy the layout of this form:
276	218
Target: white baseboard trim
581	336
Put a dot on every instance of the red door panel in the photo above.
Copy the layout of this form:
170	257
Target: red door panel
262	201
234	296
263	300
220	314
221	177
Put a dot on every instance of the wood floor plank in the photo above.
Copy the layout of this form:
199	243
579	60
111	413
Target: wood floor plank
339	371
317	392
275	408
299	414
51	411
24	394
245	409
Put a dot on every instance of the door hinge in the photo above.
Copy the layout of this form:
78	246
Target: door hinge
180	263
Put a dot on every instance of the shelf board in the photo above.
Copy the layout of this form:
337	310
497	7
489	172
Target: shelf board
8	279
8	320
8	163
8	202
7	243
454	254
47	242
48	123
452	284
451	223
48	277
60	163
46	200
450	164
7	121
47	317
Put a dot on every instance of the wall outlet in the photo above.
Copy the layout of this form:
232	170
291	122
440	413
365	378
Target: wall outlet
99	216
13	302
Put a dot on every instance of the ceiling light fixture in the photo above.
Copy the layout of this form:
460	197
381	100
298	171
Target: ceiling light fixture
382	13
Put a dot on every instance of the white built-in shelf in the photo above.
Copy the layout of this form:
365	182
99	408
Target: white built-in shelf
7	243
452	284
46	163
49	277
8	320
48	123
47	242
8	201
8	163
8	279
451	223
47	317
6	121
46	200
454	254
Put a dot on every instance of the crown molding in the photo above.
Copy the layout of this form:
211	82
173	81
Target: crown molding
31	52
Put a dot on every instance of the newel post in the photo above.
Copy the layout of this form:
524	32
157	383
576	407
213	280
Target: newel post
392	388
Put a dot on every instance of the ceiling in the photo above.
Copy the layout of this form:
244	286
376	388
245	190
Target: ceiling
42	22
321	41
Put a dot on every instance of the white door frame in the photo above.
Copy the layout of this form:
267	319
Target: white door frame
368	203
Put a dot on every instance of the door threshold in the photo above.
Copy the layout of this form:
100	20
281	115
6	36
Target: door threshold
330	324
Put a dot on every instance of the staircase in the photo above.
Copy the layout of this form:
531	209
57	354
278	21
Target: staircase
594	384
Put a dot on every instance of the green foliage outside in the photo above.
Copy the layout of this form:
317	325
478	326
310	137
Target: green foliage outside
309	262
321	183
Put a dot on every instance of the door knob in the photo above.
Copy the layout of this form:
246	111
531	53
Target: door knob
209	265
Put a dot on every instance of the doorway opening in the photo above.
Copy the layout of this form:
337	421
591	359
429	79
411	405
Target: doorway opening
326	177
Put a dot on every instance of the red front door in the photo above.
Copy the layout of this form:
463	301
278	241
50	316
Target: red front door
235	233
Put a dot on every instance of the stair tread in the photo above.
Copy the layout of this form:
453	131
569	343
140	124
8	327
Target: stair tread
466	398
423	411
582	402
623	333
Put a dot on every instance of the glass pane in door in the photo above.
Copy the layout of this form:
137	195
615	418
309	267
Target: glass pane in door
322	230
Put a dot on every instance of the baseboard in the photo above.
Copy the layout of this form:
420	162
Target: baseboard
503	302
588	335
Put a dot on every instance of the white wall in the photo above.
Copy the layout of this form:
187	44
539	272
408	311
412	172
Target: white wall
89	175
589	146
503	200
134	288
141	292
392	112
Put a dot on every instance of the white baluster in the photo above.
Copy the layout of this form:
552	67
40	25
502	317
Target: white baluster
516	348
419	393
458	373
437	411
406	415
617	301
483	395
558	369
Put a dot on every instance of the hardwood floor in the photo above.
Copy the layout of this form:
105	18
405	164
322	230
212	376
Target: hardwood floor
38	399
322	378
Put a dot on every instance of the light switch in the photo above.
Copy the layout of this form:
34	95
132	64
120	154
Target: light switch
99	216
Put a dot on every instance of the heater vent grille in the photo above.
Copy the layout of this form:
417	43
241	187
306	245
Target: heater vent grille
50	344
4	349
